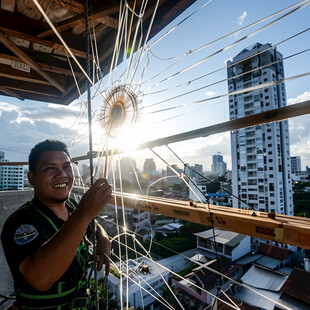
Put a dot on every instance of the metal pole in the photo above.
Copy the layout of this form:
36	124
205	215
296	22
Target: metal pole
93	223
89	95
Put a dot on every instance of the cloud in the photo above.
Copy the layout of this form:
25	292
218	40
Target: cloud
25	124
303	97
210	93
200	151
302	150
299	129
242	18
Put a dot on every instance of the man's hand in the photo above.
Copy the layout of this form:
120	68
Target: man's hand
95	199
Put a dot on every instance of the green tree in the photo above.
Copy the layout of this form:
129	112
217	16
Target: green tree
106	296
189	228
168	247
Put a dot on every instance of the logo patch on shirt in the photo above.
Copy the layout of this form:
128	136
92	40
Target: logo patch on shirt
25	233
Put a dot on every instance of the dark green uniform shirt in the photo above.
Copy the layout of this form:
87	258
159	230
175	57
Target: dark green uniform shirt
24	232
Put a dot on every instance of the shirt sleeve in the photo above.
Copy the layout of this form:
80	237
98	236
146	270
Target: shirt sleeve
22	235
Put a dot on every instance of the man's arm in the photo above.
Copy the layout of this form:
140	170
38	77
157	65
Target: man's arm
43	268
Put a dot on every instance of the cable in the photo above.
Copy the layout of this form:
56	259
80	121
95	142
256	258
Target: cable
230	45
214	271
221	81
209	180
240	91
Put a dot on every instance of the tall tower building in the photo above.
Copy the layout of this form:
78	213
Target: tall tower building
218	165
261	167
149	167
295	164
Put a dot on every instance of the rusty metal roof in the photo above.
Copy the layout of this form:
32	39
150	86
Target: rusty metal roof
297	285
33	61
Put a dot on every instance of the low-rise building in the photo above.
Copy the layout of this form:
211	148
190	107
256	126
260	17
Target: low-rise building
199	287
146	278
229	244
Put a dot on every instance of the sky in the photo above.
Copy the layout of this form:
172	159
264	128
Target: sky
167	75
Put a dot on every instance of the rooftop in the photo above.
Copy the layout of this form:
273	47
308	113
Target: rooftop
31	54
222	236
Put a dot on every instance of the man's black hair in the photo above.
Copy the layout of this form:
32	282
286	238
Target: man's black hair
45	146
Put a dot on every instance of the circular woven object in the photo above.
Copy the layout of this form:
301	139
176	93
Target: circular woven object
119	110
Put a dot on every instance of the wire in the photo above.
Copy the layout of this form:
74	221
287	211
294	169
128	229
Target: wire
224	80
237	92
207	179
212	270
230	45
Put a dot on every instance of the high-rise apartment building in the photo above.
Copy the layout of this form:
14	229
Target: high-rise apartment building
295	164
218	165
128	170
261	167
194	172
149	167
11	177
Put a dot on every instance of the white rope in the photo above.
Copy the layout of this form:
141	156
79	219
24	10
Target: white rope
185	279
61	39
214	271
178	174
307	2
236	92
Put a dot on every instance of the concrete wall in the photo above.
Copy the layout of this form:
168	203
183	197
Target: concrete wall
9	202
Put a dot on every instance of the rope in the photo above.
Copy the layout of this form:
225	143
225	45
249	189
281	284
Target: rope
230	45
210	269
209	180
237	92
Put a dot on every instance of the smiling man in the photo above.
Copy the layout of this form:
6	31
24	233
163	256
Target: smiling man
45	240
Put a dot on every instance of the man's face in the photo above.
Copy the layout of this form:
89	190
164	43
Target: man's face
53	178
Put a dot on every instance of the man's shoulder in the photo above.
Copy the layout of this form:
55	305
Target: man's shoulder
24	212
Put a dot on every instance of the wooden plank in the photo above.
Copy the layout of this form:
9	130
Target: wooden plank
71	5
14	163
8	72
12	47
21	23
280	114
17	85
39	97
284	229
80	20
108	21
52	65
47	43
11	93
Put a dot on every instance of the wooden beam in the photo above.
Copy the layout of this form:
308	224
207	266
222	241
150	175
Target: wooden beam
8	72
14	163
47	43
269	226
39	97
71	5
45	66
108	21
17	85
21	23
12	47
80	20
275	115
11	93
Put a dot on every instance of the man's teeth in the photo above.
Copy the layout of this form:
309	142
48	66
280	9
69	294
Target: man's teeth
60	185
